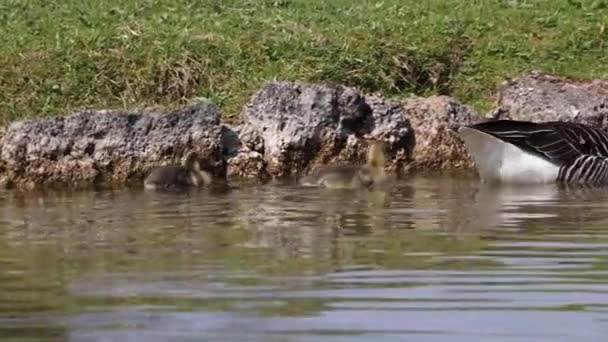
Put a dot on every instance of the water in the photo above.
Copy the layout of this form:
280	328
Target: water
434	259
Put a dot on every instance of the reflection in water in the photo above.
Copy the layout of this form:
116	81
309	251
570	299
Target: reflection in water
432	259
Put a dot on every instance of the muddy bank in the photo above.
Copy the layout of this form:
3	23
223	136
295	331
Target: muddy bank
287	130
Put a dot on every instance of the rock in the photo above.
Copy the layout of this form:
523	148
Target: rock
288	129
541	97
434	120
390	122
99	147
298	127
248	166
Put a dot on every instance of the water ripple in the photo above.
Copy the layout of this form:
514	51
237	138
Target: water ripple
433	259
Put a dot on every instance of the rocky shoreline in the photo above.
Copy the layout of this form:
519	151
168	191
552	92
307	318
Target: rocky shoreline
288	129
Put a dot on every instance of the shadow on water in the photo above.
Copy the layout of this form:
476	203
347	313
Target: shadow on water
430	259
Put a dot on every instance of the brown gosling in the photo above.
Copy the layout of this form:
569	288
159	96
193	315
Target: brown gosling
178	177
351	176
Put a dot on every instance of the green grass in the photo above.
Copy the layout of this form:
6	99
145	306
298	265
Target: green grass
59	56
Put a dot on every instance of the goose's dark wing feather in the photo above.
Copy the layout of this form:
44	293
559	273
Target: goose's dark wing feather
589	140
558	142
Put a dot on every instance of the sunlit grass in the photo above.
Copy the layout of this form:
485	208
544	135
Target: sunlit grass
59	56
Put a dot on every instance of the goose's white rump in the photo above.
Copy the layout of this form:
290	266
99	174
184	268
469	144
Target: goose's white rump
497	160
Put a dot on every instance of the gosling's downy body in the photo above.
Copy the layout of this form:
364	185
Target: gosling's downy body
176	177
340	177
351	176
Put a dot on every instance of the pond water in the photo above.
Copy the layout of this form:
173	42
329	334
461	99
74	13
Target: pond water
436	258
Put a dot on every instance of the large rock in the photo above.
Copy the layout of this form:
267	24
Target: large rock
298	127
540	97
434	120
93	147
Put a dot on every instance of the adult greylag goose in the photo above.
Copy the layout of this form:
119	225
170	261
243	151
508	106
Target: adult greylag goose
528	152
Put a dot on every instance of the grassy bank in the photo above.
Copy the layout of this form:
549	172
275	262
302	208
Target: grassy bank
65	55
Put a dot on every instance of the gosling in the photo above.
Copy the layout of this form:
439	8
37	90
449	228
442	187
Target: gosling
176	177
351	176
